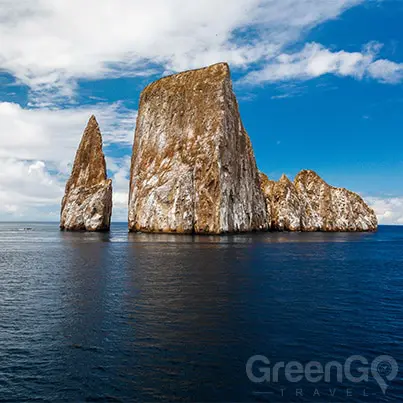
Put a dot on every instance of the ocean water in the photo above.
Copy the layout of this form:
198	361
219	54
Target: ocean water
136	317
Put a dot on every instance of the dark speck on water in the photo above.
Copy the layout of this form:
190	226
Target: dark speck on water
139	317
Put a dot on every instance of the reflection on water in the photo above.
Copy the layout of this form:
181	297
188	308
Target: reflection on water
83	237
272	237
123	317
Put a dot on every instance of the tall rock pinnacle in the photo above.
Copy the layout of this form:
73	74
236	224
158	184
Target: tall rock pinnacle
87	202
193	169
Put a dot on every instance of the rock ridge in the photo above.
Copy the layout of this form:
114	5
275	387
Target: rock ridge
310	204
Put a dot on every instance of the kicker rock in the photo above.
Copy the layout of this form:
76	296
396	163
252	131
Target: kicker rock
87	202
326	208
193	168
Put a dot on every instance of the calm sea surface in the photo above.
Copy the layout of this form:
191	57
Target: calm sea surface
119	317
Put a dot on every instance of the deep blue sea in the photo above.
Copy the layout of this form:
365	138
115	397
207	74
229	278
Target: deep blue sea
135	317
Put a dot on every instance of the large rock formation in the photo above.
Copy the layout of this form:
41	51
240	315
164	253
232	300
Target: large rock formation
193	168
310	204
87	202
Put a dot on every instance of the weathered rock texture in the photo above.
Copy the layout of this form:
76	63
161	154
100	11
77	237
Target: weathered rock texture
283	204
87	202
193	168
310	204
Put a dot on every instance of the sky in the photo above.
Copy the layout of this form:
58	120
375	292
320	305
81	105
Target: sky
319	85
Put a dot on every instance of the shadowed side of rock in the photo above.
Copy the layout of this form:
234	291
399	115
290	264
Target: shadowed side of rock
310	204
193	169
87	202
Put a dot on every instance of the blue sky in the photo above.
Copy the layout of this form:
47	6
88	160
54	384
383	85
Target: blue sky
319	84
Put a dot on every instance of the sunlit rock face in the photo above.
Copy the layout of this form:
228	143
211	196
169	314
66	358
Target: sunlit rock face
327	208
310	204
284	206
87	202
193	169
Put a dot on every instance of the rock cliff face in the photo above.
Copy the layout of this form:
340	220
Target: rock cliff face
332	209
284	206
310	204
87	202
193	169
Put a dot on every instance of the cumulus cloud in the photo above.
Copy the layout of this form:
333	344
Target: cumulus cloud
52	135
26	187
314	60
33	190
120	168
389	210
37	147
49	44
386	71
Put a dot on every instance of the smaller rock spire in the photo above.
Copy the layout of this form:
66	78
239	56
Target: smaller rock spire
87	203
89	164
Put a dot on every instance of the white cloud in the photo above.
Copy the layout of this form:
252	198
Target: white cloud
53	134
386	71
314	60
31	190
120	177
37	147
26	188
49	44
389	210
